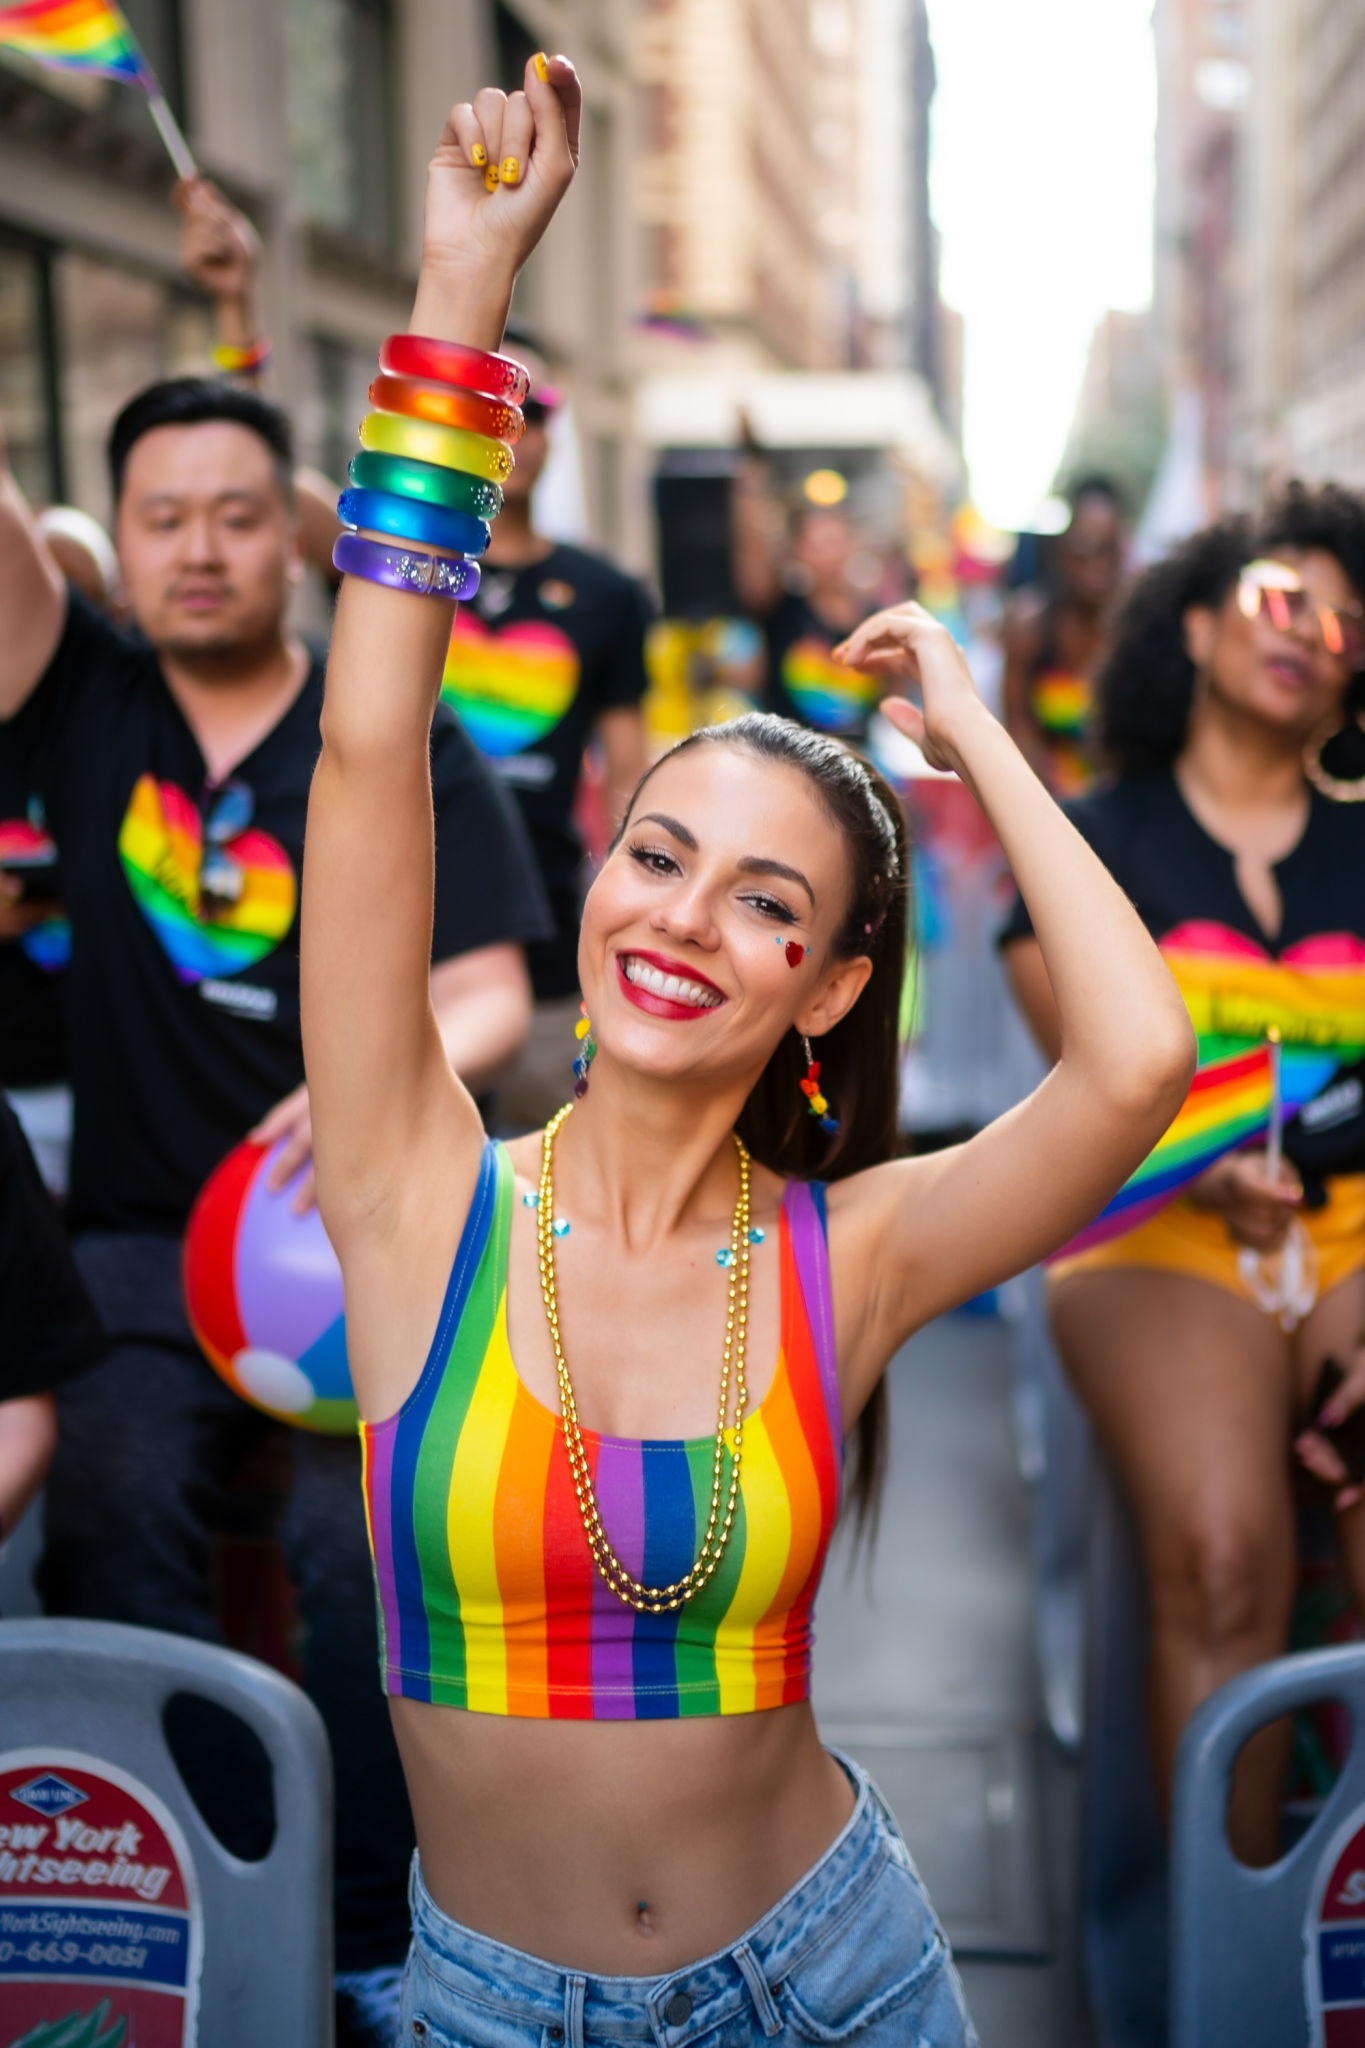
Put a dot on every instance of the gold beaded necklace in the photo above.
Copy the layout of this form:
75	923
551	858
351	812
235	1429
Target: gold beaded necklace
629	1590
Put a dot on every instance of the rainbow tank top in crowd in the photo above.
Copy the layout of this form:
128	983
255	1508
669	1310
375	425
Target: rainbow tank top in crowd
488	1597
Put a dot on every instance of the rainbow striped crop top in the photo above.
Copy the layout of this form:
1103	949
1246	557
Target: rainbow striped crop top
488	1598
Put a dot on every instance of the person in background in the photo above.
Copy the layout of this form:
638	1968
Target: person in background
35	940
548	660
48	1327
1055	641
1196	1340
173	764
797	580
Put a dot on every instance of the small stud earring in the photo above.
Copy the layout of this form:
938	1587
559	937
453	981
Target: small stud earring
587	1052
810	1088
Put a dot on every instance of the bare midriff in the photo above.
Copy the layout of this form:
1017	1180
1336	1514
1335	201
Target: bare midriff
620	1848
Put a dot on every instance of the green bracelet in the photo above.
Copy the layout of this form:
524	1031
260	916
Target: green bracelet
426	482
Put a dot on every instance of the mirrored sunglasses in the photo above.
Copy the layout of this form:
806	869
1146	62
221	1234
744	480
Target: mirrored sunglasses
1275	591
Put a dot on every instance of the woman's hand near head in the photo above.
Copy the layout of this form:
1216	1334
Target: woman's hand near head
907	644
503	164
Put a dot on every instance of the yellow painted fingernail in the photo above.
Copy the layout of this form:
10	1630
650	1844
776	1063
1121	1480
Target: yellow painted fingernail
509	170
490	178
478	156
541	63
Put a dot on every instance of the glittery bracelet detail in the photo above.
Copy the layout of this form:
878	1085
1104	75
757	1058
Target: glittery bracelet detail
448	447
448	362
407	569
455	533
427	482
409	399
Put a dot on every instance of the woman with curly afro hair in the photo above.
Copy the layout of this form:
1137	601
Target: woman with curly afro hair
1229	717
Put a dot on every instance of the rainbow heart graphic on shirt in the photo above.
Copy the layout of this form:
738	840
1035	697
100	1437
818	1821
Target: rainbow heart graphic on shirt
161	846
511	685
24	844
823	692
1313	994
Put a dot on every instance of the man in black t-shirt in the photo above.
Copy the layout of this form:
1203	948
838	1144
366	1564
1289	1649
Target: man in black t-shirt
547	658
174	765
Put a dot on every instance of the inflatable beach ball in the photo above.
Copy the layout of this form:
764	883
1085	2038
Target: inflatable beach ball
263	1293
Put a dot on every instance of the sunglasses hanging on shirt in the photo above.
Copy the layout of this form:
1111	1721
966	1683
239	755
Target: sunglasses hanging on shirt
225	811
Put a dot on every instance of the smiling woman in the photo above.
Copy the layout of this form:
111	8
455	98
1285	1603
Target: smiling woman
603	1460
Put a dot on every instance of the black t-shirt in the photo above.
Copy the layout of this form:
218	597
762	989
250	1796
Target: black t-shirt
1309	982
48	1326
804	680
534	661
183	1004
32	978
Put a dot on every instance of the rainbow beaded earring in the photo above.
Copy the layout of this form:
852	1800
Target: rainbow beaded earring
810	1088
586	1054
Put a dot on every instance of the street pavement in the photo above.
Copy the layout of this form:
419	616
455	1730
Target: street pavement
925	1668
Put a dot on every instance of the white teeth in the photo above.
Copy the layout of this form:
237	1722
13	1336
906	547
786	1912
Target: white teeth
671	986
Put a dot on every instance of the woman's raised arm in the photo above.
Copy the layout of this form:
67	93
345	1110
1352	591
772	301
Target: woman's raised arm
934	1231
391	1123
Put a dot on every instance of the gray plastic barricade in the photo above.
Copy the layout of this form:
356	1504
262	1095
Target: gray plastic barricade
1269	1958
81	1706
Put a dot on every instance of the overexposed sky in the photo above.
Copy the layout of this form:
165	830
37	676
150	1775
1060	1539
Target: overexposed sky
1042	179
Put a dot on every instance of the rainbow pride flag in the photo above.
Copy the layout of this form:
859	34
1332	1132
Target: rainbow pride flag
75	35
1229	1103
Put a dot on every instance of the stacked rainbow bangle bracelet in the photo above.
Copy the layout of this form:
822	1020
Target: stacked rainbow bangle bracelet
435	453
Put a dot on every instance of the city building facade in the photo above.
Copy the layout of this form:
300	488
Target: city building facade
318	117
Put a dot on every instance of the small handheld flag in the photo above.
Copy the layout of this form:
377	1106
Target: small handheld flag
92	36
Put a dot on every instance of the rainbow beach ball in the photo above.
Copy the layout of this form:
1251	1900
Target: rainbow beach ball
263	1294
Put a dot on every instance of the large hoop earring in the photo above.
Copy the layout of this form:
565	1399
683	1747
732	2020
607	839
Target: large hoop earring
1332	785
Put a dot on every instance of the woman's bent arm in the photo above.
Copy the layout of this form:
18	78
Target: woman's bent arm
931	1232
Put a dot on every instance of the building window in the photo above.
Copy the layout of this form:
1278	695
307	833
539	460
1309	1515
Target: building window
28	411
117	330
341	397
341	115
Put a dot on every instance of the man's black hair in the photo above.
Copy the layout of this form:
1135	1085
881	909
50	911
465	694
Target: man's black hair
520	334
194	402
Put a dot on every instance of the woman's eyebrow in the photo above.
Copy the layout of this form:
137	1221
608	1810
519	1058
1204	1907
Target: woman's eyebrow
753	865
679	832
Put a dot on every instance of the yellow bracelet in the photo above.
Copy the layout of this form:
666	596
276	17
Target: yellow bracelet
448	447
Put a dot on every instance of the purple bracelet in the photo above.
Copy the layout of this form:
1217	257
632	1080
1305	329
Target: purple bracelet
400	568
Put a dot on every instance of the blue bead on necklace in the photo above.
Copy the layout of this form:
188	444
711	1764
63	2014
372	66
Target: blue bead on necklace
561	1227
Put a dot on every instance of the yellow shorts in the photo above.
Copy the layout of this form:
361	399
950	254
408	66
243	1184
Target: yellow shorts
1182	1238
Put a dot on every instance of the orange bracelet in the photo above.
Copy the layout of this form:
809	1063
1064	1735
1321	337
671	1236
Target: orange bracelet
408	398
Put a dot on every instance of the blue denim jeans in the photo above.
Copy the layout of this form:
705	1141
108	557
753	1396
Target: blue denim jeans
853	1953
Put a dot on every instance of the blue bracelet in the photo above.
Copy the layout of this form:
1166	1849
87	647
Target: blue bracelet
436	526
401	568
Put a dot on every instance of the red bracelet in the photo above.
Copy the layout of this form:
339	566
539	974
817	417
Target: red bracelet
447	408
446	362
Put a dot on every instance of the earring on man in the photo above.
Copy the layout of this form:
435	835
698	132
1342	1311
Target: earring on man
586	1054
810	1088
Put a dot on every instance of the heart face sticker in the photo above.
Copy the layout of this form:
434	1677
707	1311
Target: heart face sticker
510	685
161	847
796	952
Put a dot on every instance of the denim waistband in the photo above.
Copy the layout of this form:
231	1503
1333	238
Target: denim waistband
687	2003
